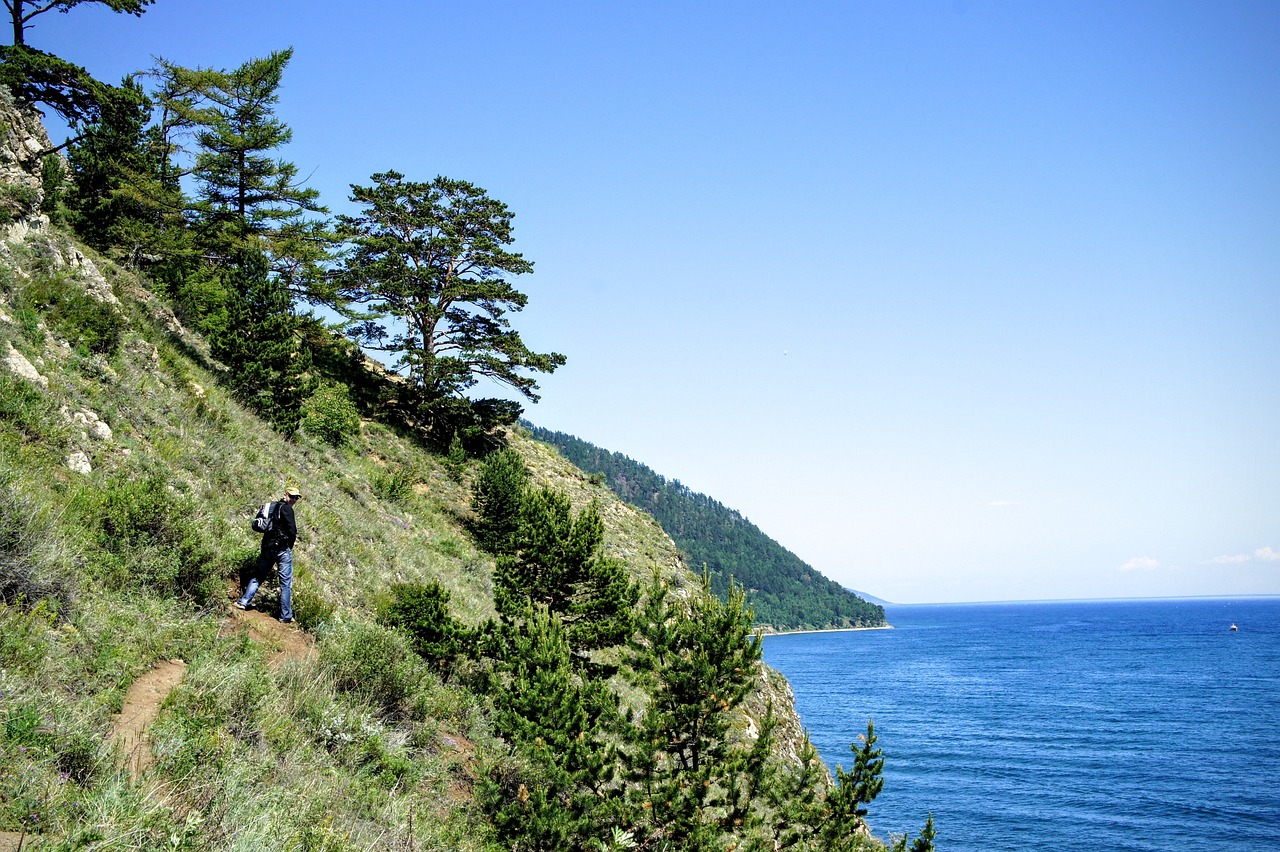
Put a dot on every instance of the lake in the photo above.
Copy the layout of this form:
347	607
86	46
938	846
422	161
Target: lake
1135	725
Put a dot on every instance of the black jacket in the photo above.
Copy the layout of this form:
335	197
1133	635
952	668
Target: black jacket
284	529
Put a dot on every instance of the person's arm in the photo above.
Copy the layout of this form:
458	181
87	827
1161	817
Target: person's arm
288	525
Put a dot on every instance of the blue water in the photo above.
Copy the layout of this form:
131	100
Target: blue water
1101	725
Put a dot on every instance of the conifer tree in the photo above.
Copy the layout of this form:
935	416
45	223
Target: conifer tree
22	11
560	720
245	193
258	344
697	664
846	812
559	563
104	159
421	610
432	258
496	496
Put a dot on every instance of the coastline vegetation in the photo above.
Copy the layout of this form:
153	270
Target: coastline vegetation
784	592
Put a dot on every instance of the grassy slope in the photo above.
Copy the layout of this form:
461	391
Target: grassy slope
338	750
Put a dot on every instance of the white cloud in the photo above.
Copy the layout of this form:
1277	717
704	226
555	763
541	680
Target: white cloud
1262	554
1140	563
1000	503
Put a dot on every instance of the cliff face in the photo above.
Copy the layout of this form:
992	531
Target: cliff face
22	138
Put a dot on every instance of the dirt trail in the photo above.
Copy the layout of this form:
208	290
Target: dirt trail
283	641
130	729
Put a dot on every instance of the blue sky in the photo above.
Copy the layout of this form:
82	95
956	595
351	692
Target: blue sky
956	300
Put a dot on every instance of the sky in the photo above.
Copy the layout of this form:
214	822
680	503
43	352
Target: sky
958	301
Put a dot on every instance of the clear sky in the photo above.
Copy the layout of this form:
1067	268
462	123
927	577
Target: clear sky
956	300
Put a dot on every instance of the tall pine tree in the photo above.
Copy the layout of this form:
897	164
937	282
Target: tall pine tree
245	193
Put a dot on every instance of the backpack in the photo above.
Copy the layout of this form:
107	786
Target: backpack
265	519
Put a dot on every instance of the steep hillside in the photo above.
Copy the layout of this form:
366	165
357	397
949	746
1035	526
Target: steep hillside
785	592
141	711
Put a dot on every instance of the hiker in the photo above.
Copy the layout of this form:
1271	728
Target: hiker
277	547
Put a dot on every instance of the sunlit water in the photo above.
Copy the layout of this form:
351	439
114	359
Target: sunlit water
1134	725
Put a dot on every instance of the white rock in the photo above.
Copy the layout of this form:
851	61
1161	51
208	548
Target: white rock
94	425
19	365
95	284
78	462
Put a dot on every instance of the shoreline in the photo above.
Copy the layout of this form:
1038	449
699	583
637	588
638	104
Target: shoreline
825	630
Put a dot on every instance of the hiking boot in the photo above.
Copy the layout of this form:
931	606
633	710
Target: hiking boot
239	605
285	620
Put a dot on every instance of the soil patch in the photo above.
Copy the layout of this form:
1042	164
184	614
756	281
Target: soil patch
283	641
141	706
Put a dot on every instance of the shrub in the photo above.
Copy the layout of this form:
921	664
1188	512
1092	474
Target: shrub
421	612
16	200
83	320
25	410
27	575
373	662
330	415
149	539
394	485
310	607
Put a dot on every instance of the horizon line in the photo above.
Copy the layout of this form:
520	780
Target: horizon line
1089	600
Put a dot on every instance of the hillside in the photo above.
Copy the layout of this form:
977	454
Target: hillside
785	593
142	712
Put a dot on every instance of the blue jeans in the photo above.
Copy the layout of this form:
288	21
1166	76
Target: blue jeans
266	559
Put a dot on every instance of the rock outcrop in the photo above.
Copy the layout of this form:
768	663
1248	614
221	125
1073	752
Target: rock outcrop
22	138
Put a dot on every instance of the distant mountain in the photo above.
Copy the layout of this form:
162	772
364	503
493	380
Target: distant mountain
784	591
871	598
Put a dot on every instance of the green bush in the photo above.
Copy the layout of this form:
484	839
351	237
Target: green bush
310	608
27	575
16	200
330	415
25	636
149	539
421	612
28	412
373	662
91	325
394	486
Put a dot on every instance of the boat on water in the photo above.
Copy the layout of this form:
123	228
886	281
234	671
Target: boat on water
1234	628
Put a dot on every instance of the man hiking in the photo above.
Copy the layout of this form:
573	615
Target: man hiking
277	548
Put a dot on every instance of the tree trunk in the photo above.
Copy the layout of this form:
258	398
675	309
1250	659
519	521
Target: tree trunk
16	7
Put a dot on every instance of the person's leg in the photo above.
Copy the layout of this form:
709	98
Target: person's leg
286	585
265	560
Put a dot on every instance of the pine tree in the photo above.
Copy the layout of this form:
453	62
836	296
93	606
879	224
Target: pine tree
103	161
246	195
421	610
496	496
432	257
22	11
559	563
689	787
259	346
560	721
846	812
